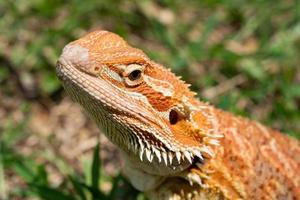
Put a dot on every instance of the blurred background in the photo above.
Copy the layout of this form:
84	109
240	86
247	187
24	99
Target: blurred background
242	56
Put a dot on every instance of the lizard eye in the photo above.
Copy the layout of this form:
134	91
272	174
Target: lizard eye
133	75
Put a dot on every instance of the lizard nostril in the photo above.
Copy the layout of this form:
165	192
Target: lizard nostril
173	117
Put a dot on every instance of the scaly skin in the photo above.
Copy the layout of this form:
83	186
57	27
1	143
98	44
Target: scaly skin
175	146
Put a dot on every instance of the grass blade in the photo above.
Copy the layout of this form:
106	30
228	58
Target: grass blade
2	178
96	193
48	193
95	171
78	187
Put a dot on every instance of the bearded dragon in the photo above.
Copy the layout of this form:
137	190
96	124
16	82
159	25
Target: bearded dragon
174	145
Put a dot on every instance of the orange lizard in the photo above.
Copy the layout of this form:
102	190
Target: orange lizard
175	146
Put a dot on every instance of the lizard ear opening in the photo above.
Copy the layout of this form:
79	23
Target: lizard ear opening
173	117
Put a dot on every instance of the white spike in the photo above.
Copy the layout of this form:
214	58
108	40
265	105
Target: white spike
157	153
164	155
197	179
147	145
148	154
188	156
151	157
141	144
178	156
214	142
201	133
216	136
198	154
170	155
190	179
207	151
141	153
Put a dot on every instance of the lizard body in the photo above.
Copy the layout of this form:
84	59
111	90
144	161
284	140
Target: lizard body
175	146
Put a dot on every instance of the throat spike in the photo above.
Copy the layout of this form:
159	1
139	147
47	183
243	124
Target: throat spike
188	156
141	153
198	154
164	155
170	155
158	154
148	154
178	156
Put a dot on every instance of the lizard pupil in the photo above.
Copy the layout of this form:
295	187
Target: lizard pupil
135	75
173	117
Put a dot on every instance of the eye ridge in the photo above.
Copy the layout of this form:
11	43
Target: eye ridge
135	75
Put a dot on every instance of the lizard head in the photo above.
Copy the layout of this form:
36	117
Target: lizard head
141	106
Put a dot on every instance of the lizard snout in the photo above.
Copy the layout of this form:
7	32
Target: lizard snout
77	56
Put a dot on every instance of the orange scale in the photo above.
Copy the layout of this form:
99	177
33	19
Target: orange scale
156	99
201	120
184	134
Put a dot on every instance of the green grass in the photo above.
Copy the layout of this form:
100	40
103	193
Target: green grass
74	187
242	56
